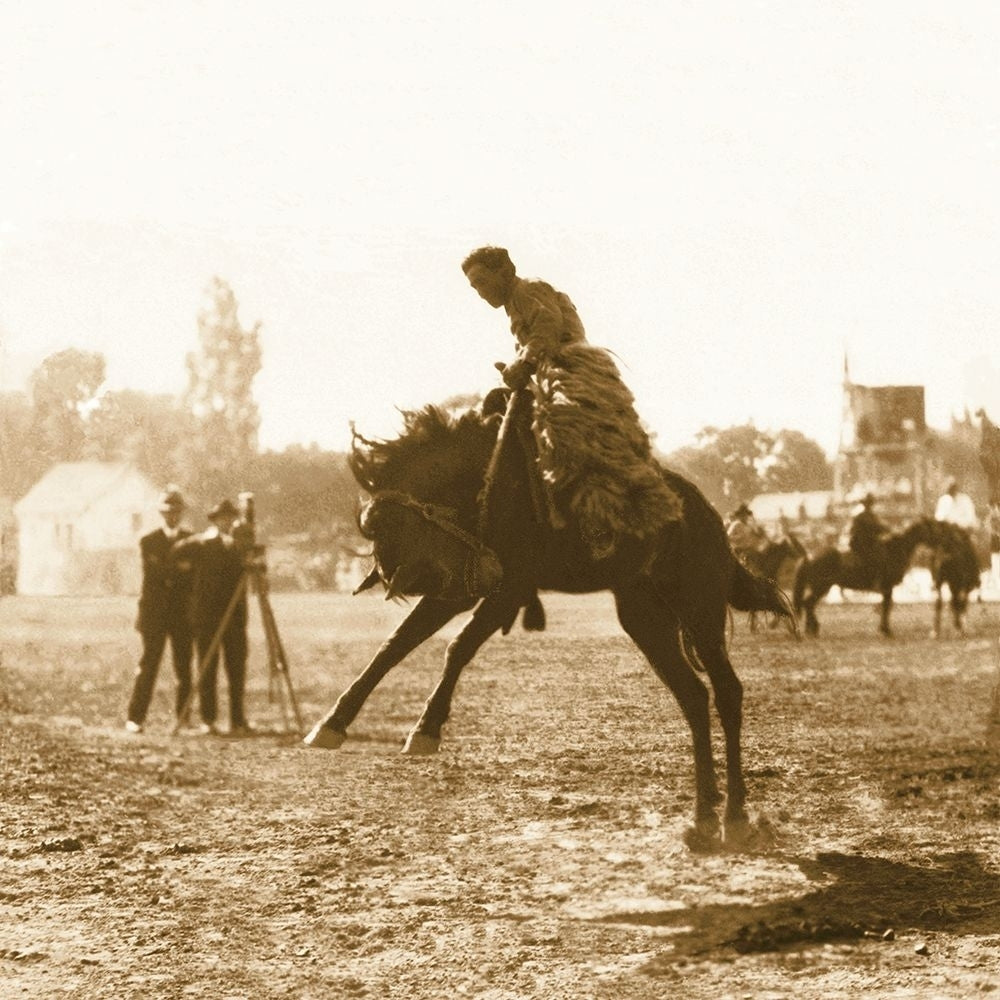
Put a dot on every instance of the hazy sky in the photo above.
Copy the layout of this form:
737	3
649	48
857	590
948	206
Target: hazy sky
732	193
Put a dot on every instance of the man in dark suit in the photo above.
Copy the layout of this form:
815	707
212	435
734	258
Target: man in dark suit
215	562
865	541
163	612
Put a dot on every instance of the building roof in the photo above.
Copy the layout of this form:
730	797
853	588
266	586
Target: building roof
69	488
771	506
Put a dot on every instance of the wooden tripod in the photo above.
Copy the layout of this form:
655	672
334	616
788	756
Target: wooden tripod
254	578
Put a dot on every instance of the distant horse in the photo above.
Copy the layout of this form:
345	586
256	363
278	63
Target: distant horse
434	538
954	562
814	577
775	561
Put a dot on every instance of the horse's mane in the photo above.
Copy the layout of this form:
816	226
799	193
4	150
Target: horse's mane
380	463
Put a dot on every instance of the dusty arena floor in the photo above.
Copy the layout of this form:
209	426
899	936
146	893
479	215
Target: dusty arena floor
538	855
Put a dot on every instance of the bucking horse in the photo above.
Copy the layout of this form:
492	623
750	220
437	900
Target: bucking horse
459	521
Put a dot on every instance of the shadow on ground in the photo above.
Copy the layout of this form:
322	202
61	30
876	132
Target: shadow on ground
861	897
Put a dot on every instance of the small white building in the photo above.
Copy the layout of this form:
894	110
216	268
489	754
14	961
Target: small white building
79	528
770	508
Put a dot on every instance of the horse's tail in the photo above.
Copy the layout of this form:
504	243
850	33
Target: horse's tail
749	592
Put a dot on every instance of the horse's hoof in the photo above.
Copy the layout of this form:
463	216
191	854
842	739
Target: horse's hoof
324	738
421	745
704	837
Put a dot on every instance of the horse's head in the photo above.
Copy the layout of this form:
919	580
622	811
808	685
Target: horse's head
421	517
923	531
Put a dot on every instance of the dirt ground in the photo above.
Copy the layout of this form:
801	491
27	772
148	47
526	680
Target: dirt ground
539	854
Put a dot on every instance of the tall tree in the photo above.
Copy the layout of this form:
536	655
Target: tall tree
63	390
149	431
734	464
219	398
20	461
726	463
796	463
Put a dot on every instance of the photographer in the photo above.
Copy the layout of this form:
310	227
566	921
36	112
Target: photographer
216	562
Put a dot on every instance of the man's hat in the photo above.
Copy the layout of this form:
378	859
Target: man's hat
224	508
171	499
743	510
868	499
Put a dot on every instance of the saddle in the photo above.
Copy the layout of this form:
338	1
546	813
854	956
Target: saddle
859	573
588	461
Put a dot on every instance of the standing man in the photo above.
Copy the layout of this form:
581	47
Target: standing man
217	586
594	455
163	608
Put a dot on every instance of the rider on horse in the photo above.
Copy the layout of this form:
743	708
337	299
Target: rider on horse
867	531
594	456
745	534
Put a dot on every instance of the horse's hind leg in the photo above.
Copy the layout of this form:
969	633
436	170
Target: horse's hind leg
419	625
728	690
655	629
883	623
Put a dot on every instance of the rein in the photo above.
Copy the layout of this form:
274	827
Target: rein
444	518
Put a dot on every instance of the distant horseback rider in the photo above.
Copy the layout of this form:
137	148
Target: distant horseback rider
594	456
956	507
867	531
744	532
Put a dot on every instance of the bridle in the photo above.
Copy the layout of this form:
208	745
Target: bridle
445	519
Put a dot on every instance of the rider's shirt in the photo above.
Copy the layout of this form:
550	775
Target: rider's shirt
542	319
743	536
958	509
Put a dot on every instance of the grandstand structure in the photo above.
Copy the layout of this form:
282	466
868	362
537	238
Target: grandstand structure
883	450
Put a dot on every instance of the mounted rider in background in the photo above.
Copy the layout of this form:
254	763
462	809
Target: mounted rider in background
744	532
867	532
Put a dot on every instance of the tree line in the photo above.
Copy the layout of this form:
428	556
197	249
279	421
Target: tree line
206	439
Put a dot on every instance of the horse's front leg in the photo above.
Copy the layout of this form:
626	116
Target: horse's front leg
419	625
959	605
883	625
812	622
489	617
938	608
